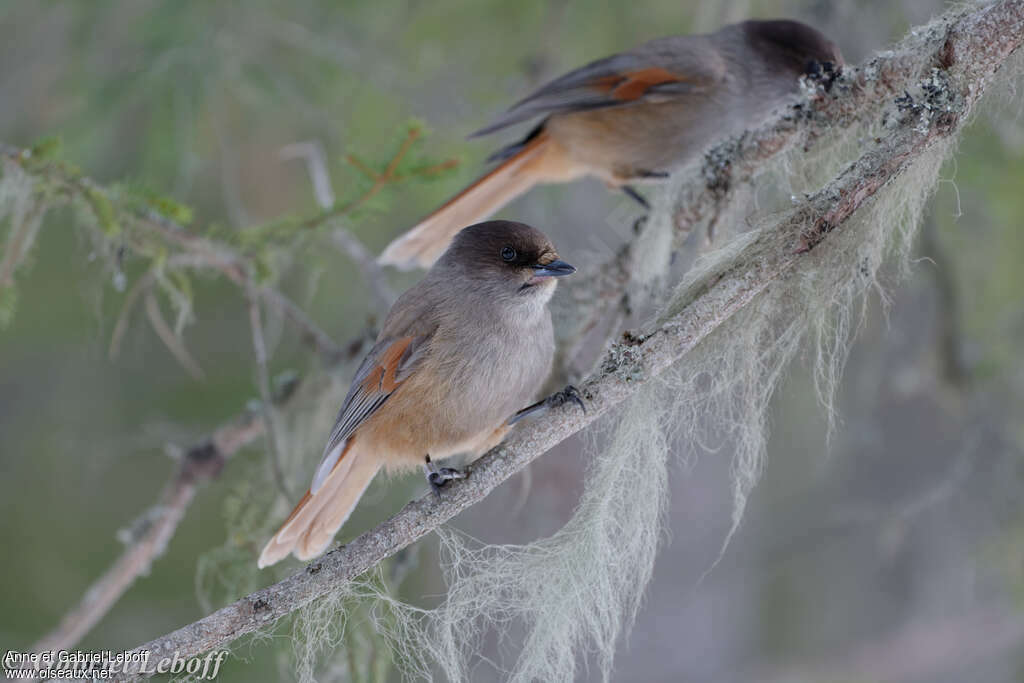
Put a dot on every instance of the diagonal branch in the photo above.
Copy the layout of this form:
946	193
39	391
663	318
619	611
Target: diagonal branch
829	104
974	45
200	462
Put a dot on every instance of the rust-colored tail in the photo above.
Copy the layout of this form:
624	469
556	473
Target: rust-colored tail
541	159
312	524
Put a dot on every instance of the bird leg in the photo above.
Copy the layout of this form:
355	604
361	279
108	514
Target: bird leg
437	477
569	393
635	195
632	193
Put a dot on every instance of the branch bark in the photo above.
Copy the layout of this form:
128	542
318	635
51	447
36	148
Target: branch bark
200	462
704	196
970	46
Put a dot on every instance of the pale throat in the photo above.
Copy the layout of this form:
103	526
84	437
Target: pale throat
542	288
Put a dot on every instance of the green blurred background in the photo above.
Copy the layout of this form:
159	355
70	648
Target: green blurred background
897	556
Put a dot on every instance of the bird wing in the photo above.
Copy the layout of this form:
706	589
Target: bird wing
386	366
658	70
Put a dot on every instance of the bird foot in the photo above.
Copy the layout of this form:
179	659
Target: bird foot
437	477
633	194
569	393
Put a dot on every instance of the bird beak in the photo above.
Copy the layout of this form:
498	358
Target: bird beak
554	269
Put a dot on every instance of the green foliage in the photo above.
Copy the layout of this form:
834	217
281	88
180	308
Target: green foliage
49	148
104	211
142	198
369	187
22	208
129	220
202	81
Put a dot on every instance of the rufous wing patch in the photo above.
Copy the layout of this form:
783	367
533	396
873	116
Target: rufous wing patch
383	378
636	84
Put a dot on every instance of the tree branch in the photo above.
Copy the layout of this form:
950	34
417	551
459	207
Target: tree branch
313	333
160	523
312	153
259	346
200	462
973	45
828	106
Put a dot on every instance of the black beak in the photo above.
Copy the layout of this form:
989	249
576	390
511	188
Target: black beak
554	269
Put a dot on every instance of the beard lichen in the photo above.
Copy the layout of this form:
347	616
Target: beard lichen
565	601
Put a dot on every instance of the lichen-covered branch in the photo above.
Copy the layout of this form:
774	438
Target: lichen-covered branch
148	539
973	47
828	105
157	226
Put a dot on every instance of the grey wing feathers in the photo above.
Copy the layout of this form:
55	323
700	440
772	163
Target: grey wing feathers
388	363
592	86
572	92
358	404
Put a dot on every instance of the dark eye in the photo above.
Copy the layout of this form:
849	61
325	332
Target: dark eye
508	254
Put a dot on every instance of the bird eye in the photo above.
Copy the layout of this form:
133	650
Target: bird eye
508	254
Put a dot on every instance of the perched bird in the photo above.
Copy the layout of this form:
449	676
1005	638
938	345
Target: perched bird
458	354
632	117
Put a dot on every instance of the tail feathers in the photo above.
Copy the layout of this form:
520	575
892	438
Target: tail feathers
312	524
539	160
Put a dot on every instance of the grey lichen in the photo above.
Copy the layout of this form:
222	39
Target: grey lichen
621	360
935	105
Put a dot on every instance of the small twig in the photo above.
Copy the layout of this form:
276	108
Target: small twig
170	340
321	341
13	249
201	462
367	264
360	166
380	181
142	551
316	165
204	254
410	137
312	153
141	286
263	380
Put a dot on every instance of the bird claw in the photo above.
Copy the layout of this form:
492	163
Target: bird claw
632	193
437	477
569	393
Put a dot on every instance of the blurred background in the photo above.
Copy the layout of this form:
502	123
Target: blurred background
895	555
